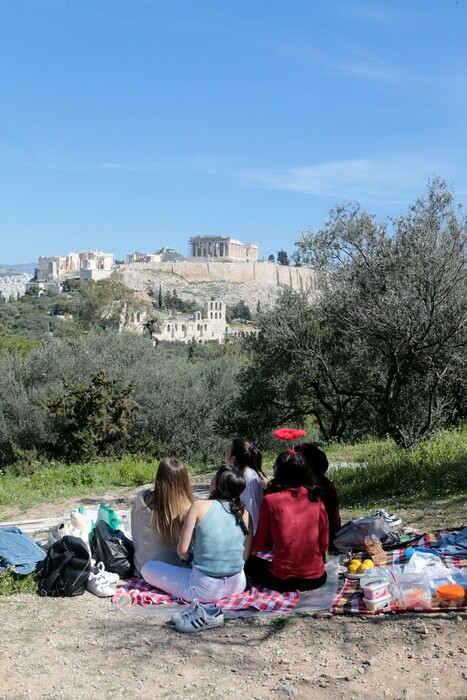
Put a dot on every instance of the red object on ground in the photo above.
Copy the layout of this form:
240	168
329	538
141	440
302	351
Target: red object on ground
289	433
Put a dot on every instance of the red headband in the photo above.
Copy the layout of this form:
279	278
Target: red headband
288	433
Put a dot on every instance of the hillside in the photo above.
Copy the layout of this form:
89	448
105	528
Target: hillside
230	282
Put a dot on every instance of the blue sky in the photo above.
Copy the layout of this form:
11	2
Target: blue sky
133	124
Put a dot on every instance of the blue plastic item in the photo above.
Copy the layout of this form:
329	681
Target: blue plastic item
410	550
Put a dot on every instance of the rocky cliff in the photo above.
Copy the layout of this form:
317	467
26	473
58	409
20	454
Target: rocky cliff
230	282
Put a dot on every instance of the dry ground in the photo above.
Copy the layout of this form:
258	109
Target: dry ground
79	648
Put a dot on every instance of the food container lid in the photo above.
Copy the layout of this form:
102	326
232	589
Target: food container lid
451	591
378	601
375	585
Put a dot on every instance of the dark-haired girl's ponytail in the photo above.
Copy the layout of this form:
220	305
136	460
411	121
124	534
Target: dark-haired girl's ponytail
314	493
255	459
237	510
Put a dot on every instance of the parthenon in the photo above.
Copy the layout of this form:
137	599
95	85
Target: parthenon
222	248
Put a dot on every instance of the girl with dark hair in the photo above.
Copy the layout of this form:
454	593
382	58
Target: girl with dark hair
217	537
157	516
248	459
292	522
318	463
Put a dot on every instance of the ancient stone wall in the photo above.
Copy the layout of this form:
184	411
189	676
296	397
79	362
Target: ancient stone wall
299	278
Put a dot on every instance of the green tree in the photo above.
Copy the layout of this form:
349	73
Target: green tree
93	420
293	369
400	296
238	312
283	258
108	304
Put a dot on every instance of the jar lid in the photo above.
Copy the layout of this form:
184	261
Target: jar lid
451	591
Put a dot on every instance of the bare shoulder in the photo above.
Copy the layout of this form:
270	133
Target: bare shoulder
200	508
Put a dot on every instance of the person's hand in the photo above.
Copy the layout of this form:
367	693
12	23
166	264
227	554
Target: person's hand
264	481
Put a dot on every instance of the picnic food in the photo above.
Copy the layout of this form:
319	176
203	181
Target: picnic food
353	568
417	597
368	563
365	566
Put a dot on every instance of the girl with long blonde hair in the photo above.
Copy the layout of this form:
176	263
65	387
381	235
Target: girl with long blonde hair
157	516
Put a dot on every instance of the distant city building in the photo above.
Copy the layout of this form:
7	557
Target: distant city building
143	258
87	265
222	248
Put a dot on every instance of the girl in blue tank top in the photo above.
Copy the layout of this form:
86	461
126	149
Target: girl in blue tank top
217	536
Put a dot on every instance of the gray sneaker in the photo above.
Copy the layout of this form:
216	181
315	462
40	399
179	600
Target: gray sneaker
199	617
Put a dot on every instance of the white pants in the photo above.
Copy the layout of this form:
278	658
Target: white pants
190	583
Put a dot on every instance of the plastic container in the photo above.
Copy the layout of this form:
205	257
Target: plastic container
377	605
415	592
450	594
374	590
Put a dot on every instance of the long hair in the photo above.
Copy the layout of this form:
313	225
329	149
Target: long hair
291	471
314	457
230	483
170	500
245	454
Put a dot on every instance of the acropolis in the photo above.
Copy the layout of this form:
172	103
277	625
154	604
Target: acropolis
222	248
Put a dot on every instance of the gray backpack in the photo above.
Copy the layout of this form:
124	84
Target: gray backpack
353	534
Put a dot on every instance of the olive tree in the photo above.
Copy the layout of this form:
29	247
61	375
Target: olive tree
381	350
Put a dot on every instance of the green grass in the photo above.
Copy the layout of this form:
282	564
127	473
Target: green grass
434	470
61	481
388	474
11	583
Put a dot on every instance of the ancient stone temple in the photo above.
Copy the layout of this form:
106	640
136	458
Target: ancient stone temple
222	248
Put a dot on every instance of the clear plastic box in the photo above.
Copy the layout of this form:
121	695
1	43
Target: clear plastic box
374	590
377	605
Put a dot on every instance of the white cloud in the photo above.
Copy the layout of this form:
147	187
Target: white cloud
384	178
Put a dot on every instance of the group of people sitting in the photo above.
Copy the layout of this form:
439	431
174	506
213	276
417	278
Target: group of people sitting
203	550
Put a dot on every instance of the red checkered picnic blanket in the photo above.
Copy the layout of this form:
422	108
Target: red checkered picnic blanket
137	592
350	598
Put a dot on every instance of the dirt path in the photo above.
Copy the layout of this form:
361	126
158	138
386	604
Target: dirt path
79	648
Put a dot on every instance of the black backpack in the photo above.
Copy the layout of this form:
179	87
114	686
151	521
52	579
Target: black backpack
66	568
113	548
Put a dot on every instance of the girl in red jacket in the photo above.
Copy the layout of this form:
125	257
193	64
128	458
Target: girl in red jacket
318	463
293	523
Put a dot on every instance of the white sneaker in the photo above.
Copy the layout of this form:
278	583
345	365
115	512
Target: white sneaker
99	585
107	575
390	518
199	617
176	615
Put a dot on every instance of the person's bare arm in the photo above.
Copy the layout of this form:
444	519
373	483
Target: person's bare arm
183	547
249	538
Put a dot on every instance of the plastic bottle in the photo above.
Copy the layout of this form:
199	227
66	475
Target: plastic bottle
373	544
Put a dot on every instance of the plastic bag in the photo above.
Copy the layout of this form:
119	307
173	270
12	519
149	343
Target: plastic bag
428	564
113	548
109	516
431	568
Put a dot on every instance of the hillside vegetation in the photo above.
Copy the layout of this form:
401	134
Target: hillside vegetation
378	354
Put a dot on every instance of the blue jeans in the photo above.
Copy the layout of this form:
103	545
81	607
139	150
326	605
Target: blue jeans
19	550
